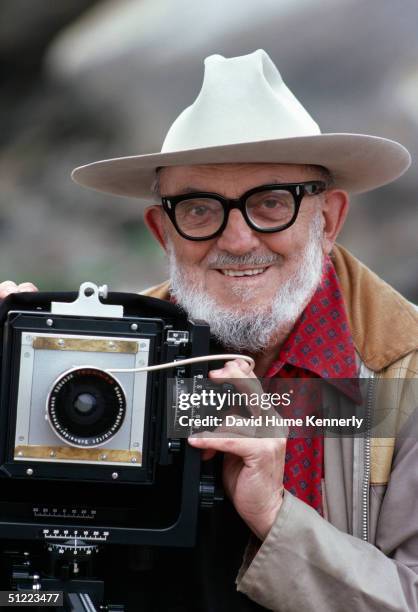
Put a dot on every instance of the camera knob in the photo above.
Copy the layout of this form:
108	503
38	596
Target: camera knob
209	492
36	585
174	446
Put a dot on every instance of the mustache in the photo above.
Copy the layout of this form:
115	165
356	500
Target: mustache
224	259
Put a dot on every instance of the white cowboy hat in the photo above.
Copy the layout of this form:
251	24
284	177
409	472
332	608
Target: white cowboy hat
245	113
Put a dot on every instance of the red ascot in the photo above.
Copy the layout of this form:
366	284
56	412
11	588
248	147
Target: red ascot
319	346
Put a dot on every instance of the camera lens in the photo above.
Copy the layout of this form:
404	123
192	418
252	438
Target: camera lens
85	403
86	407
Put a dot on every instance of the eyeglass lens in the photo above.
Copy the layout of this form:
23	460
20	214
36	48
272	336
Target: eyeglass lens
199	217
269	209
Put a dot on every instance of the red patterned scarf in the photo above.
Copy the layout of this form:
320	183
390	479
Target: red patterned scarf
320	345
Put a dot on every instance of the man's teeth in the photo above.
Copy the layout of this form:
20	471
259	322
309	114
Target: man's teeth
243	272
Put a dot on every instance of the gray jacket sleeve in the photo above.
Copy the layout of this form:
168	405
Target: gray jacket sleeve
305	563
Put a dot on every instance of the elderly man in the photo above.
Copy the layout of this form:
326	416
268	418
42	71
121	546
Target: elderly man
251	198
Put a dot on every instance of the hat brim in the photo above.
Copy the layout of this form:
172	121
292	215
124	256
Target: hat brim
357	162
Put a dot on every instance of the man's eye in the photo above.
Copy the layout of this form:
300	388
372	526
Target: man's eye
198	211
272	203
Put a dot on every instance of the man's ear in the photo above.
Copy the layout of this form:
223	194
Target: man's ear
153	218
334	210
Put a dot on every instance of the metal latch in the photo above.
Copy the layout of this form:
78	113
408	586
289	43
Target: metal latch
176	337
88	303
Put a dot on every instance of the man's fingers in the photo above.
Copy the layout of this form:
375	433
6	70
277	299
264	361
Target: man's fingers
27	286
236	368
225	445
8	287
240	373
243	365
208	454
240	446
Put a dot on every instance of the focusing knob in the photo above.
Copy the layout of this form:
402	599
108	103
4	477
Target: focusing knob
209	492
174	445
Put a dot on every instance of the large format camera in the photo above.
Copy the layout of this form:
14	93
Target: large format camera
85	459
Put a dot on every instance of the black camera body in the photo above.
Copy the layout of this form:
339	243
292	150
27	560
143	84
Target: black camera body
84	451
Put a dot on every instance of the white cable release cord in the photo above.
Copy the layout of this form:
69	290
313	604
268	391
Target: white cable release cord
171	364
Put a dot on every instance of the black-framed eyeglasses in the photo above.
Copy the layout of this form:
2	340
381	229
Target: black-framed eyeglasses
267	209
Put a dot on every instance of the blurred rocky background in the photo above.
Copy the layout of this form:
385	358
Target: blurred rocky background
83	80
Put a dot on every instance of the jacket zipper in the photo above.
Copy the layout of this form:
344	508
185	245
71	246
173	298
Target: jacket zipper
367	462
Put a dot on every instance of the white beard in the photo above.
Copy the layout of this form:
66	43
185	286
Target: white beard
257	328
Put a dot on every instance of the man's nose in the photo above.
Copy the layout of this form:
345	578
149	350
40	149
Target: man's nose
238	237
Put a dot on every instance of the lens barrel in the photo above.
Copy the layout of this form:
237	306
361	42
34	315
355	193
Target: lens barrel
86	407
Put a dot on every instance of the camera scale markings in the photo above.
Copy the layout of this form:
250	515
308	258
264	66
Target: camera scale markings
74	542
85	535
73	546
56	512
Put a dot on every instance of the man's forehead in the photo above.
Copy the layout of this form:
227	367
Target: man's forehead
189	178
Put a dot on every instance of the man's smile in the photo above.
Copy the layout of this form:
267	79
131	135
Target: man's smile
242	272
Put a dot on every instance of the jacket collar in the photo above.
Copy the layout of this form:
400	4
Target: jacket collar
383	324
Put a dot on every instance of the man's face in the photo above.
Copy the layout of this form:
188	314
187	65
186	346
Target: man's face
215	267
284	248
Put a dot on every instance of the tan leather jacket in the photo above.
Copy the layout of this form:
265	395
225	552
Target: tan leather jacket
371	485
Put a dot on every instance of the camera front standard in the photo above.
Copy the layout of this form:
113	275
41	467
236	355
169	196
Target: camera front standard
84	444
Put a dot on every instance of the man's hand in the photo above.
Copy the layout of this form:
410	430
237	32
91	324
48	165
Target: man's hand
253	477
253	467
8	287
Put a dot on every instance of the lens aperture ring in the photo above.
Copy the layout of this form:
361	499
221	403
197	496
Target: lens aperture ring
86	407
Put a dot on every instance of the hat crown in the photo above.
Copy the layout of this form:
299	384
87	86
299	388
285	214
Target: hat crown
242	99
245	114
